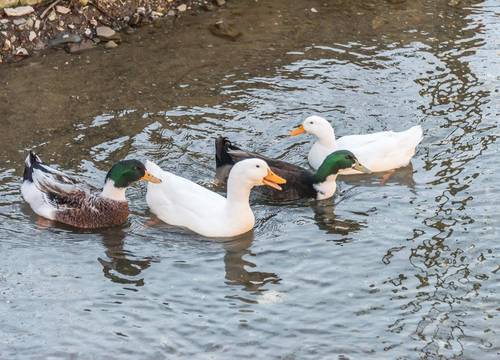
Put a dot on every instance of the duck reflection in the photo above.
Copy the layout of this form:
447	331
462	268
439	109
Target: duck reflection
402	176
328	221
236	274
121	267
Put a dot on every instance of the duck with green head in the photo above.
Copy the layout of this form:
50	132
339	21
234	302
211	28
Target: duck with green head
301	183
57	196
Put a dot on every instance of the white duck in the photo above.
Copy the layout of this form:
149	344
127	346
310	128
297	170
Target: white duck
381	151
180	202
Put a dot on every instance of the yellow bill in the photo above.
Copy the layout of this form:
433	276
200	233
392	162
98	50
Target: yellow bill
297	131
272	180
148	177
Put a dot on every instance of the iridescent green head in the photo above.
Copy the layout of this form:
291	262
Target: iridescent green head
338	160
125	172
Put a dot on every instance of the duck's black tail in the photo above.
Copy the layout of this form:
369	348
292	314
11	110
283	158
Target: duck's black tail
222	157
31	160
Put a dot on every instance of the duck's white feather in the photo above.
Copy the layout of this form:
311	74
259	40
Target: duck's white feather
381	151
180	202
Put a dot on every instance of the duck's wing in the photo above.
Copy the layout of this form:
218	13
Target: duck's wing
299	180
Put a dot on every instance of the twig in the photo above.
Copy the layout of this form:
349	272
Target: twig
51	6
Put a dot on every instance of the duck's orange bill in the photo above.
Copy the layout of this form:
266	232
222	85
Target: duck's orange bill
273	180
299	130
148	177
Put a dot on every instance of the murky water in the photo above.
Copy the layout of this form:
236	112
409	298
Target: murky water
404	270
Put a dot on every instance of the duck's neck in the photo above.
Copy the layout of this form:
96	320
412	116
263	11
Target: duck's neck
326	188
238	195
110	191
327	138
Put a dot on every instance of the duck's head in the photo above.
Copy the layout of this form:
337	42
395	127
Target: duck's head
256	172
339	160
314	125
125	172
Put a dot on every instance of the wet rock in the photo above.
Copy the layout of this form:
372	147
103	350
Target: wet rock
110	45
106	33
79	48
182	7
63	39
8	3
220	2
62	9
20	51
32	36
208	7
128	30
224	30
52	16
313	10
453	3
19	11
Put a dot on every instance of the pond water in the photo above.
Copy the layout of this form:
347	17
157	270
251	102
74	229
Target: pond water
407	269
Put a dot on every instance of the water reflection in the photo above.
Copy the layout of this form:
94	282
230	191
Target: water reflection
121	266
328	221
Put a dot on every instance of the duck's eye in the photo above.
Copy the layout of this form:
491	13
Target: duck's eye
311	123
257	166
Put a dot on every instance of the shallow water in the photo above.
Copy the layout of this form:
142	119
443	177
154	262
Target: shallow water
406	270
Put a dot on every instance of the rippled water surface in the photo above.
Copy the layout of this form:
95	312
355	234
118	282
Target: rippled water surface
408	269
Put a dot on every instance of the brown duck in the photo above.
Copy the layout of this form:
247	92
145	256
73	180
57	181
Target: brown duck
59	197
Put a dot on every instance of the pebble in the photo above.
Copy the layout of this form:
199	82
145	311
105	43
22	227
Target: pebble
32	35
93	22
313	10
19	21
22	52
110	45
106	33
220	2
6	45
182	7
88	33
19	11
29	23
71	26
65	38
52	16
171	13
62	9
453	2
37	24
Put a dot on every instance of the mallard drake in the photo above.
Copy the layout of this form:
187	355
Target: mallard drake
381	151
180	202
301	183
57	196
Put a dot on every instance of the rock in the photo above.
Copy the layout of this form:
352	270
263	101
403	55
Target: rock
313	10
220	2
453	2
78	48
128	30
52	16
141	10
182	7
106	33
30	2
8	3
156	14
19	21
29	23
19	11
110	45
84	2
93	22
171	13
63	39
20	51
62	9
71	26
7	45
37	24
32	35
221	29
88	33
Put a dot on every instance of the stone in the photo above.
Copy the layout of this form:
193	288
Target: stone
171	13
32	35
93	22
182	7
453	2
19	21
63	39
106	33
30	2
29	23
19	11
313	10
62	9
20	51
8	3
78	48
110	45
224	30
84	2
220	2
7	45
52	16
156	14
88	33
71	26
141	10
37	24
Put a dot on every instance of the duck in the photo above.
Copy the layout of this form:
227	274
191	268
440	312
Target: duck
180	202
380	151
56	196
301	183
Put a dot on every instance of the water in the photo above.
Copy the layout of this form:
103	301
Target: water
404	270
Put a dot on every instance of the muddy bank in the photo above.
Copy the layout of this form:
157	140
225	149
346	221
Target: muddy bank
167	63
